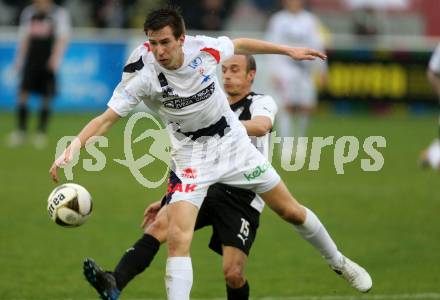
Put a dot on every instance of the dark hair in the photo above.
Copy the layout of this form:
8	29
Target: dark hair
251	65
162	17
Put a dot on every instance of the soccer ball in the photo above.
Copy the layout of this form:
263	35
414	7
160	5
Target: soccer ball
69	205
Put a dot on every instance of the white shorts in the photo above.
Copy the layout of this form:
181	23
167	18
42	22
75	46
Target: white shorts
231	160
297	87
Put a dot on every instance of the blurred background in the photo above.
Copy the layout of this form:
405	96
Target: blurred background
390	40
375	84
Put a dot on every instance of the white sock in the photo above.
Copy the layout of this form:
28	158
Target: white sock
179	278
315	233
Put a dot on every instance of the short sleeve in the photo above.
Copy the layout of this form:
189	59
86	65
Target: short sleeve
25	21
434	62
221	48
62	23
134	85
128	94
264	106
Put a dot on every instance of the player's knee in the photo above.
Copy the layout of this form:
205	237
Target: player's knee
158	229
234	276
295	214
179	241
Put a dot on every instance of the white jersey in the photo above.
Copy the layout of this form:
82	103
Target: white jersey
187	99
257	105
299	29
434	63
250	106
191	103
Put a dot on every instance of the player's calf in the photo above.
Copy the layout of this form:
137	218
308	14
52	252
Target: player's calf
282	202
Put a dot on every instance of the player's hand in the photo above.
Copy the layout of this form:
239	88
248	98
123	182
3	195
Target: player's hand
65	158
53	172
150	213
305	54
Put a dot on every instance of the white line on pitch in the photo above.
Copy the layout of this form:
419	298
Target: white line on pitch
419	296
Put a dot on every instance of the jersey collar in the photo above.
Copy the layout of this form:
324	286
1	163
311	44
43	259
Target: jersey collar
242	101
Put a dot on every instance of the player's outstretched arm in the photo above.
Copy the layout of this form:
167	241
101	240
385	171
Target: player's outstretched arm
253	46
96	127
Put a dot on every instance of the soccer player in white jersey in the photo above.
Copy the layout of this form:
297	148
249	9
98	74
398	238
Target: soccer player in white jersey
295	80
179	82
232	212
431	156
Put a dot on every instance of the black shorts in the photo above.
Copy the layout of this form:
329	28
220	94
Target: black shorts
234	222
38	79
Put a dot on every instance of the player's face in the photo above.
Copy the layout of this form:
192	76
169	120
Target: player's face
236	78
42	4
293	5
166	48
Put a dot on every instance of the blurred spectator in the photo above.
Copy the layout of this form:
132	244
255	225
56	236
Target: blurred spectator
11	10
44	31
139	10
294	81
205	14
14	8
111	13
366	22
370	15
247	17
267	6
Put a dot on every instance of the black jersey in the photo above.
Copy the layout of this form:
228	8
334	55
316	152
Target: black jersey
42	28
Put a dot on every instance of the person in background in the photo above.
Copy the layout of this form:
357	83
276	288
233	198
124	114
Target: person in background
44	32
431	156
295	80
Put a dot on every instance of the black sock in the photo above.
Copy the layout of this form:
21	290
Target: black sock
136	260
241	293
44	119
22	116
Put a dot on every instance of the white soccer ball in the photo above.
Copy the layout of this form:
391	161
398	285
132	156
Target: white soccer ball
69	205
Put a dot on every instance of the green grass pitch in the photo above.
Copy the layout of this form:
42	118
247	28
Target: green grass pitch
387	221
